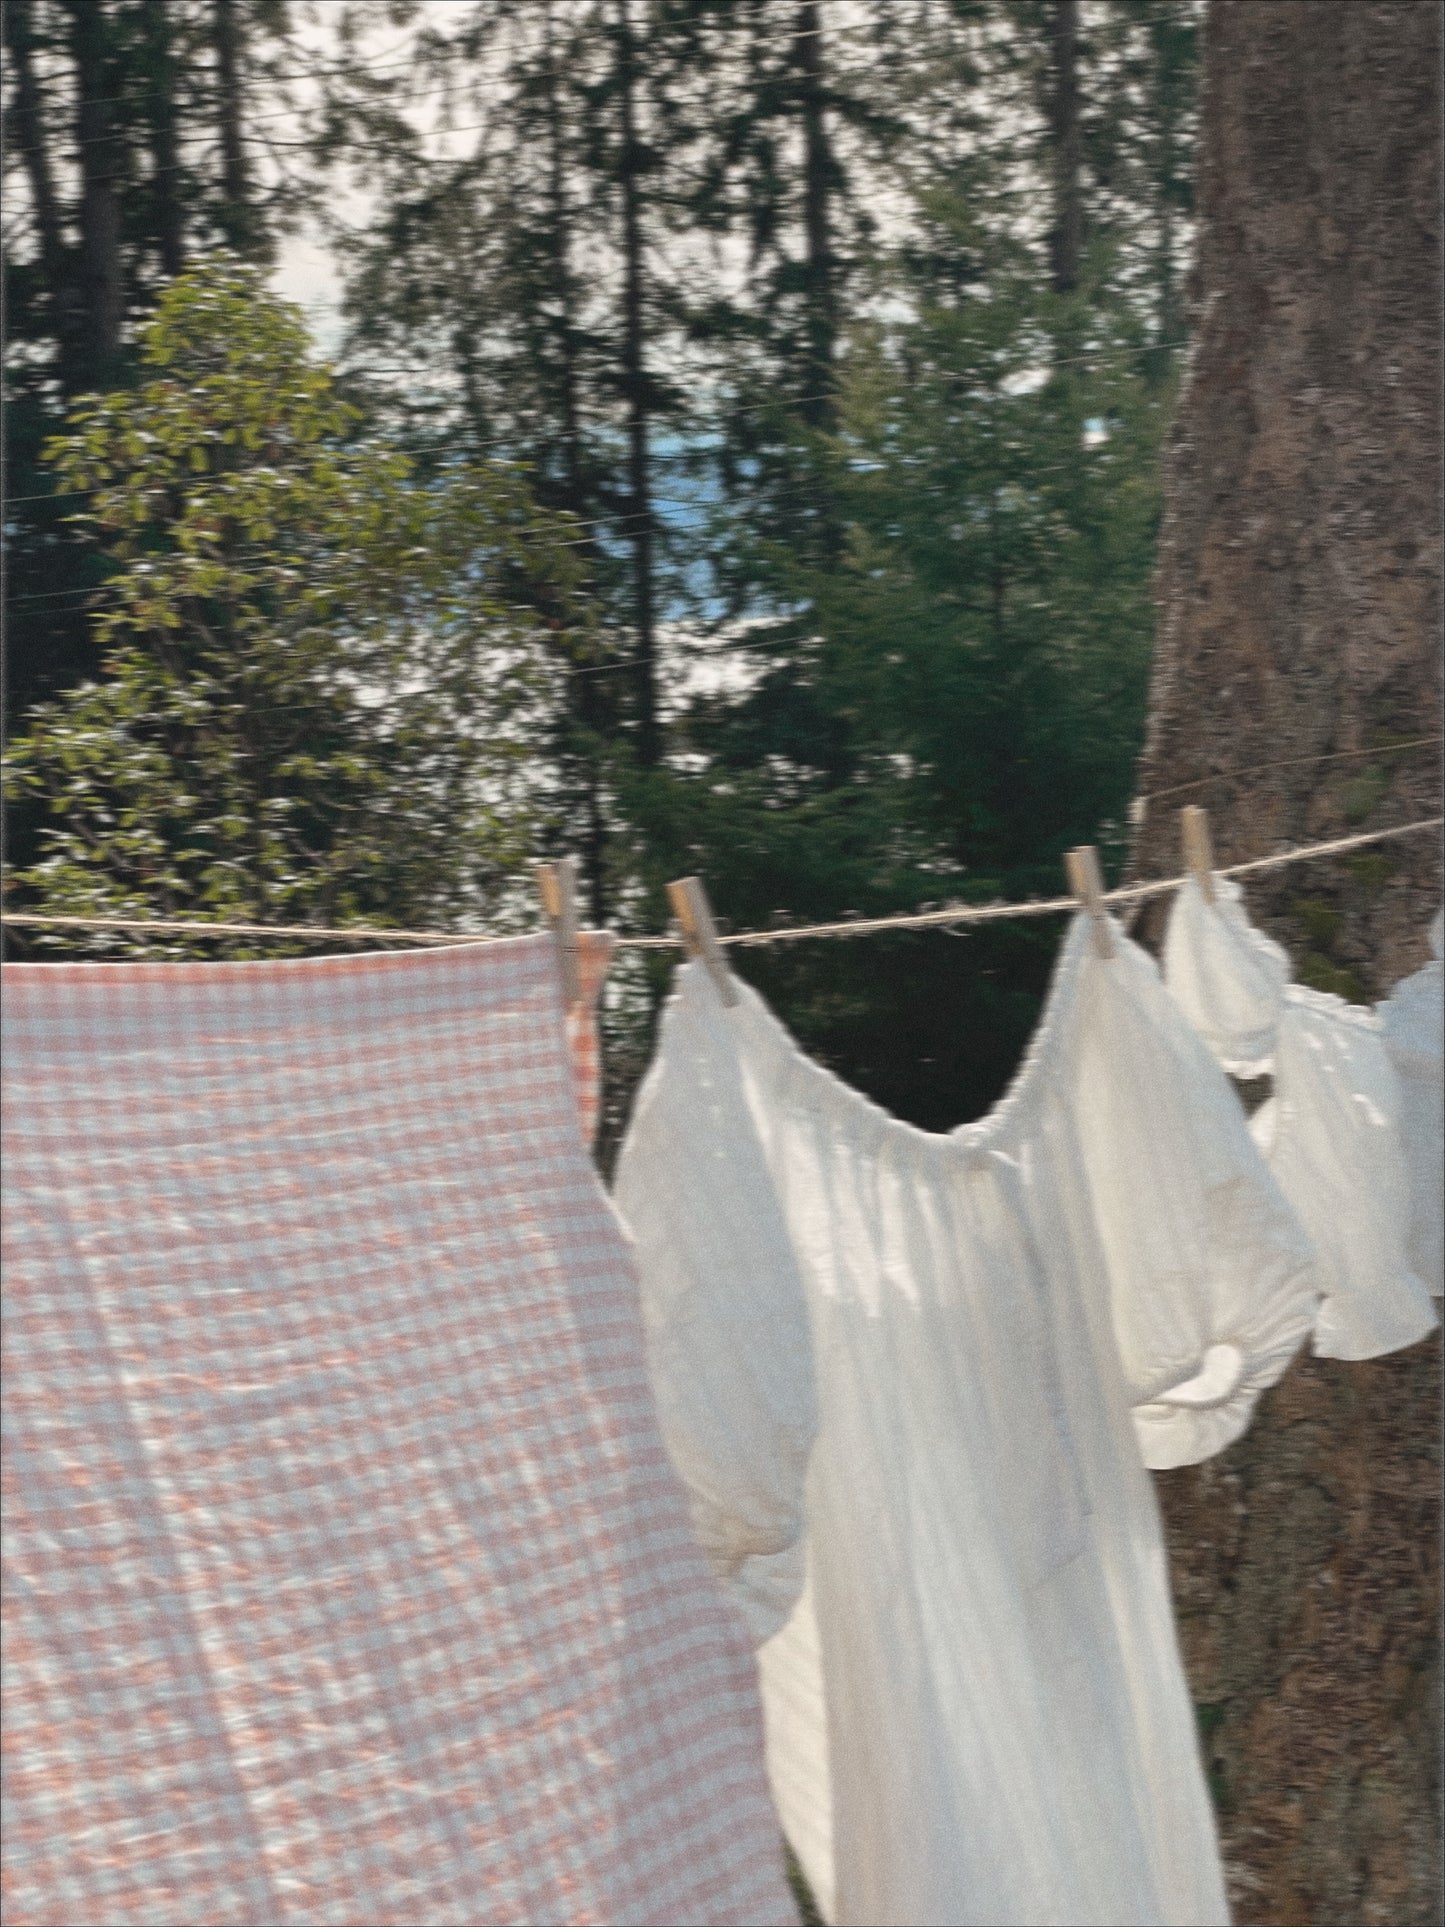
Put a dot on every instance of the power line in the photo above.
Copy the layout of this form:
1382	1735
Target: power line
350	69
1141	803
796	489
957	914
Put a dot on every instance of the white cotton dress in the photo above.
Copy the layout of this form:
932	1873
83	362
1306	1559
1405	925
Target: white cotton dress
1333	1133
975	1710
1413	1016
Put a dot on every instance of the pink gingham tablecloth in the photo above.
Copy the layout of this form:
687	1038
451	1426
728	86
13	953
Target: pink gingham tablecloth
346	1578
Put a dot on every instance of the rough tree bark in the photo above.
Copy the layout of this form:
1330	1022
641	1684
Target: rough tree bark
1299	623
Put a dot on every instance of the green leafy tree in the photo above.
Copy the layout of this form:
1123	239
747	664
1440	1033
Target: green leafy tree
322	671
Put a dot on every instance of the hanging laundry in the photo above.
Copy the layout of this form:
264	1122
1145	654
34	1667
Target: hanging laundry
976	1711
594	953
1331	1136
1229	977
1413	1016
1332	1131
346	1576
723	1306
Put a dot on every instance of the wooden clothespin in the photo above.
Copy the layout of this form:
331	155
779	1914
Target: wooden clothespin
557	883
1087	883
699	933
1198	847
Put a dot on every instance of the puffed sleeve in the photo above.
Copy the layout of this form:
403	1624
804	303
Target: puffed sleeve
1209	1271
1227	977
726	1320
1413	1020
1331	1136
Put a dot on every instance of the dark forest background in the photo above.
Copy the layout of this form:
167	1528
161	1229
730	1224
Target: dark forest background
787	381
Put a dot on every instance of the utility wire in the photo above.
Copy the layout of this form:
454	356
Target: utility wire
620	517
782	402
1139	807
958	914
352	69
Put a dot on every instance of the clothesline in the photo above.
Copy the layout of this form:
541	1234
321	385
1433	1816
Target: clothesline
1052	906
888	1642
847	927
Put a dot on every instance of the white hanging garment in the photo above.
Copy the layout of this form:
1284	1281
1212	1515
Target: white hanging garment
1413	1016
976	1711
728	1348
1227	977
1331	1133
1208	1268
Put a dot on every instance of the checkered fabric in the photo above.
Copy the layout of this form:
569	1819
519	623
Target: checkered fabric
346	1577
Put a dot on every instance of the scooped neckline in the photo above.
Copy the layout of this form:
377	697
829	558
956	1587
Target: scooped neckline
977	1133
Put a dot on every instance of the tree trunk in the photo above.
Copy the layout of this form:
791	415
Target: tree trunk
638	394
1066	240
563	281
17	21
588	703
1299	622
1169	42
819	268
102	166
158	39
238	214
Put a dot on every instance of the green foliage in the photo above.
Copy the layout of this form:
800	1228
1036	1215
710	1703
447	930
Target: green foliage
322	673
1321	923
950	677
115	182
1319	920
793	356
1209	1716
807	1907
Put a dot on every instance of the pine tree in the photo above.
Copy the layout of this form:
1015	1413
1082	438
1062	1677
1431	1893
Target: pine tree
113	105
942	615
535	266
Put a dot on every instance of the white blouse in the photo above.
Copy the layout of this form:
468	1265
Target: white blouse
974	1701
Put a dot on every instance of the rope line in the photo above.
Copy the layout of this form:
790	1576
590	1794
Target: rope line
849	927
1052	906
